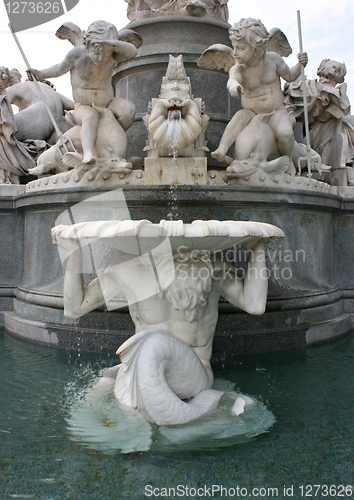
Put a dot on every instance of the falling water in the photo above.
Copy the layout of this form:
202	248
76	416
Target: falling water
173	214
174	129
174	135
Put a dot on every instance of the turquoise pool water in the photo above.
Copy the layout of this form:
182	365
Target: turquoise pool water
310	392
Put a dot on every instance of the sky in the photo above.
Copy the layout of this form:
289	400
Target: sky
327	29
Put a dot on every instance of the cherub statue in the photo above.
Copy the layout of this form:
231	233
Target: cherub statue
91	63
255	66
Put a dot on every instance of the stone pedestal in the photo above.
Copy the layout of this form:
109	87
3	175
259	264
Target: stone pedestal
176	171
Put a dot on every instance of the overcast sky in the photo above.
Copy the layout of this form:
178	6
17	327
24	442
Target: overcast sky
327	26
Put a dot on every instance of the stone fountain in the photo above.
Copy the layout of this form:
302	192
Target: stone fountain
310	295
172	275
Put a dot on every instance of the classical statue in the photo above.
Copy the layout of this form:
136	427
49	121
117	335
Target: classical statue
4	78
261	132
24	135
165	371
32	120
196	8
91	63
177	121
331	124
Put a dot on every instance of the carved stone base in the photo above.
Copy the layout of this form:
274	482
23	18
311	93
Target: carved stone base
93	178
344	191
176	171
11	189
261	179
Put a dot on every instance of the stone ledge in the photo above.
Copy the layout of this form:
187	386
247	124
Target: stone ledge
62	337
11	189
214	195
34	331
236	332
263	180
95	178
329	330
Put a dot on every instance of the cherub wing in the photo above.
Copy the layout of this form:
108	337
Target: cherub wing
130	36
217	56
278	43
71	32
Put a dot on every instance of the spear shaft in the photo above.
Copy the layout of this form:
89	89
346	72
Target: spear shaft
306	116
50	114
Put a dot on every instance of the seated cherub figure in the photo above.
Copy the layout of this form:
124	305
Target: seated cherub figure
256	76
91	65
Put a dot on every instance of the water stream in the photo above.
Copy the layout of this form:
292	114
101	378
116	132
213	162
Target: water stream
174	129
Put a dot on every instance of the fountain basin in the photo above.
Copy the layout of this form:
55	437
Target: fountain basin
39	457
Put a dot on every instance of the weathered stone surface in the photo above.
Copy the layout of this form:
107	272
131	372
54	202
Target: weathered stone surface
11	250
175	171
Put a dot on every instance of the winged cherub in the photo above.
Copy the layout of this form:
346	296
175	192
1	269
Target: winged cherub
255	66
91	63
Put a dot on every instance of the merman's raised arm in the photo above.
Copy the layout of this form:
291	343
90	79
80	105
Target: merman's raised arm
78	298
249	294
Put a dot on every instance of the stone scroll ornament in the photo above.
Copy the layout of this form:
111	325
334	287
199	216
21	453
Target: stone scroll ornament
262	132
173	277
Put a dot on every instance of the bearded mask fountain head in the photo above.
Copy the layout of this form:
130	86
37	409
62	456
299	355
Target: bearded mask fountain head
176	120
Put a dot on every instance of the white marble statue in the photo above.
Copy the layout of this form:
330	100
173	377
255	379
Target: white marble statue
261	132
25	134
90	63
331	124
165	371
32	120
177	121
195	8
